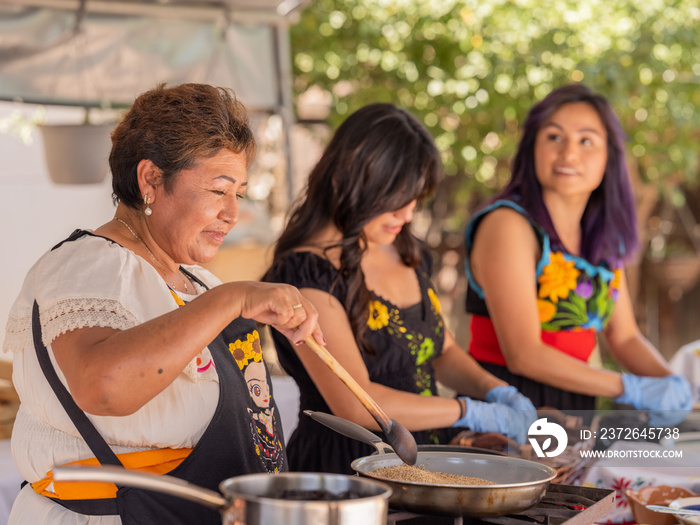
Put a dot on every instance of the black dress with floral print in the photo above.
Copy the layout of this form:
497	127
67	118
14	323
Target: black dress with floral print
407	341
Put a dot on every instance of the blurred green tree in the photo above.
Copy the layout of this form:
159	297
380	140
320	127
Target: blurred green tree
471	69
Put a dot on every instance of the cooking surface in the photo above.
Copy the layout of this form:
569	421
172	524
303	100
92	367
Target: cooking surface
561	505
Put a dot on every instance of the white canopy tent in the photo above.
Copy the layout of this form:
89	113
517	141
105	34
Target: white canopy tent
103	53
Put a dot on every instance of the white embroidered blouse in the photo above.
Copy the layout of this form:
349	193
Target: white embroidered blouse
94	282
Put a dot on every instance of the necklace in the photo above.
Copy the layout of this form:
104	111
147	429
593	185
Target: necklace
184	278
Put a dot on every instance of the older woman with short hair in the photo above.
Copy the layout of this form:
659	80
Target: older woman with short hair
126	352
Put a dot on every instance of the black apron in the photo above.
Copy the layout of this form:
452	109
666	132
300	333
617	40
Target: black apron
237	440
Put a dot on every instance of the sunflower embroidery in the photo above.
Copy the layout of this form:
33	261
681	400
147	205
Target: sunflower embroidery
378	315
245	351
422	347
558	278
574	295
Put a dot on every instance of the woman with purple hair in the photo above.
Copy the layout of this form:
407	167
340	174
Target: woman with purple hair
545	267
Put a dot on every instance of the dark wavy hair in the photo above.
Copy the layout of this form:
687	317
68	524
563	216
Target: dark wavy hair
380	159
608	225
174	127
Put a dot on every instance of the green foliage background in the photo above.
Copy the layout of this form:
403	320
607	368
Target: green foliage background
470	70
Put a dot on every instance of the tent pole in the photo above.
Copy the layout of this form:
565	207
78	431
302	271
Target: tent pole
285	100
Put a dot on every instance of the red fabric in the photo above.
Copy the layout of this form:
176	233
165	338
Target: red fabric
484	343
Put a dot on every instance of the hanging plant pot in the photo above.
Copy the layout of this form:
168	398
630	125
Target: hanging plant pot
682	271
77	153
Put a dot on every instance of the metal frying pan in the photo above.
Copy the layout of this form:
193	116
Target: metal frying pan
520	484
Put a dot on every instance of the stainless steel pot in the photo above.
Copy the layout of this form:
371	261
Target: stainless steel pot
520	484
253	499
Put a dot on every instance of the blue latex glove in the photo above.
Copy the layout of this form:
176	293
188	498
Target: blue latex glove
509	395
495	417
669	399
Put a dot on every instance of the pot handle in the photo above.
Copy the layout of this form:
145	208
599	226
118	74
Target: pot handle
159	483
350	429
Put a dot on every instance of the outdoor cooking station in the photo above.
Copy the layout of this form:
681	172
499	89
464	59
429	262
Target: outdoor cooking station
561	505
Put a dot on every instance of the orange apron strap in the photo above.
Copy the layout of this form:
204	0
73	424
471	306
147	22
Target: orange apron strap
177	298
159	461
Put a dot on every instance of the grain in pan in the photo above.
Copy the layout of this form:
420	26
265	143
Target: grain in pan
419	474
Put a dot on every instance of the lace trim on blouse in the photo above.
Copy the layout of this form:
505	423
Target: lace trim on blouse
71	314
67	315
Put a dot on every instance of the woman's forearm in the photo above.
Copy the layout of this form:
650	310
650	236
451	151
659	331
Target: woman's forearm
459	371
112	372
549	366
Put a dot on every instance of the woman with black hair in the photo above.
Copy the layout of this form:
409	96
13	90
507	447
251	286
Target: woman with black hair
545	266
349	249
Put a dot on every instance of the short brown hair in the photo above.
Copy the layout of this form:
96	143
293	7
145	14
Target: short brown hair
173	127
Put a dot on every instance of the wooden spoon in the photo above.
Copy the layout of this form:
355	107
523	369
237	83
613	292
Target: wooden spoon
398	436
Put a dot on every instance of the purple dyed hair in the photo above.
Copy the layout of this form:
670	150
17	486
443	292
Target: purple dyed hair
608	226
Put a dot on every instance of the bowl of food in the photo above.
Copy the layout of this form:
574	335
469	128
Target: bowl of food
655	495
692	503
